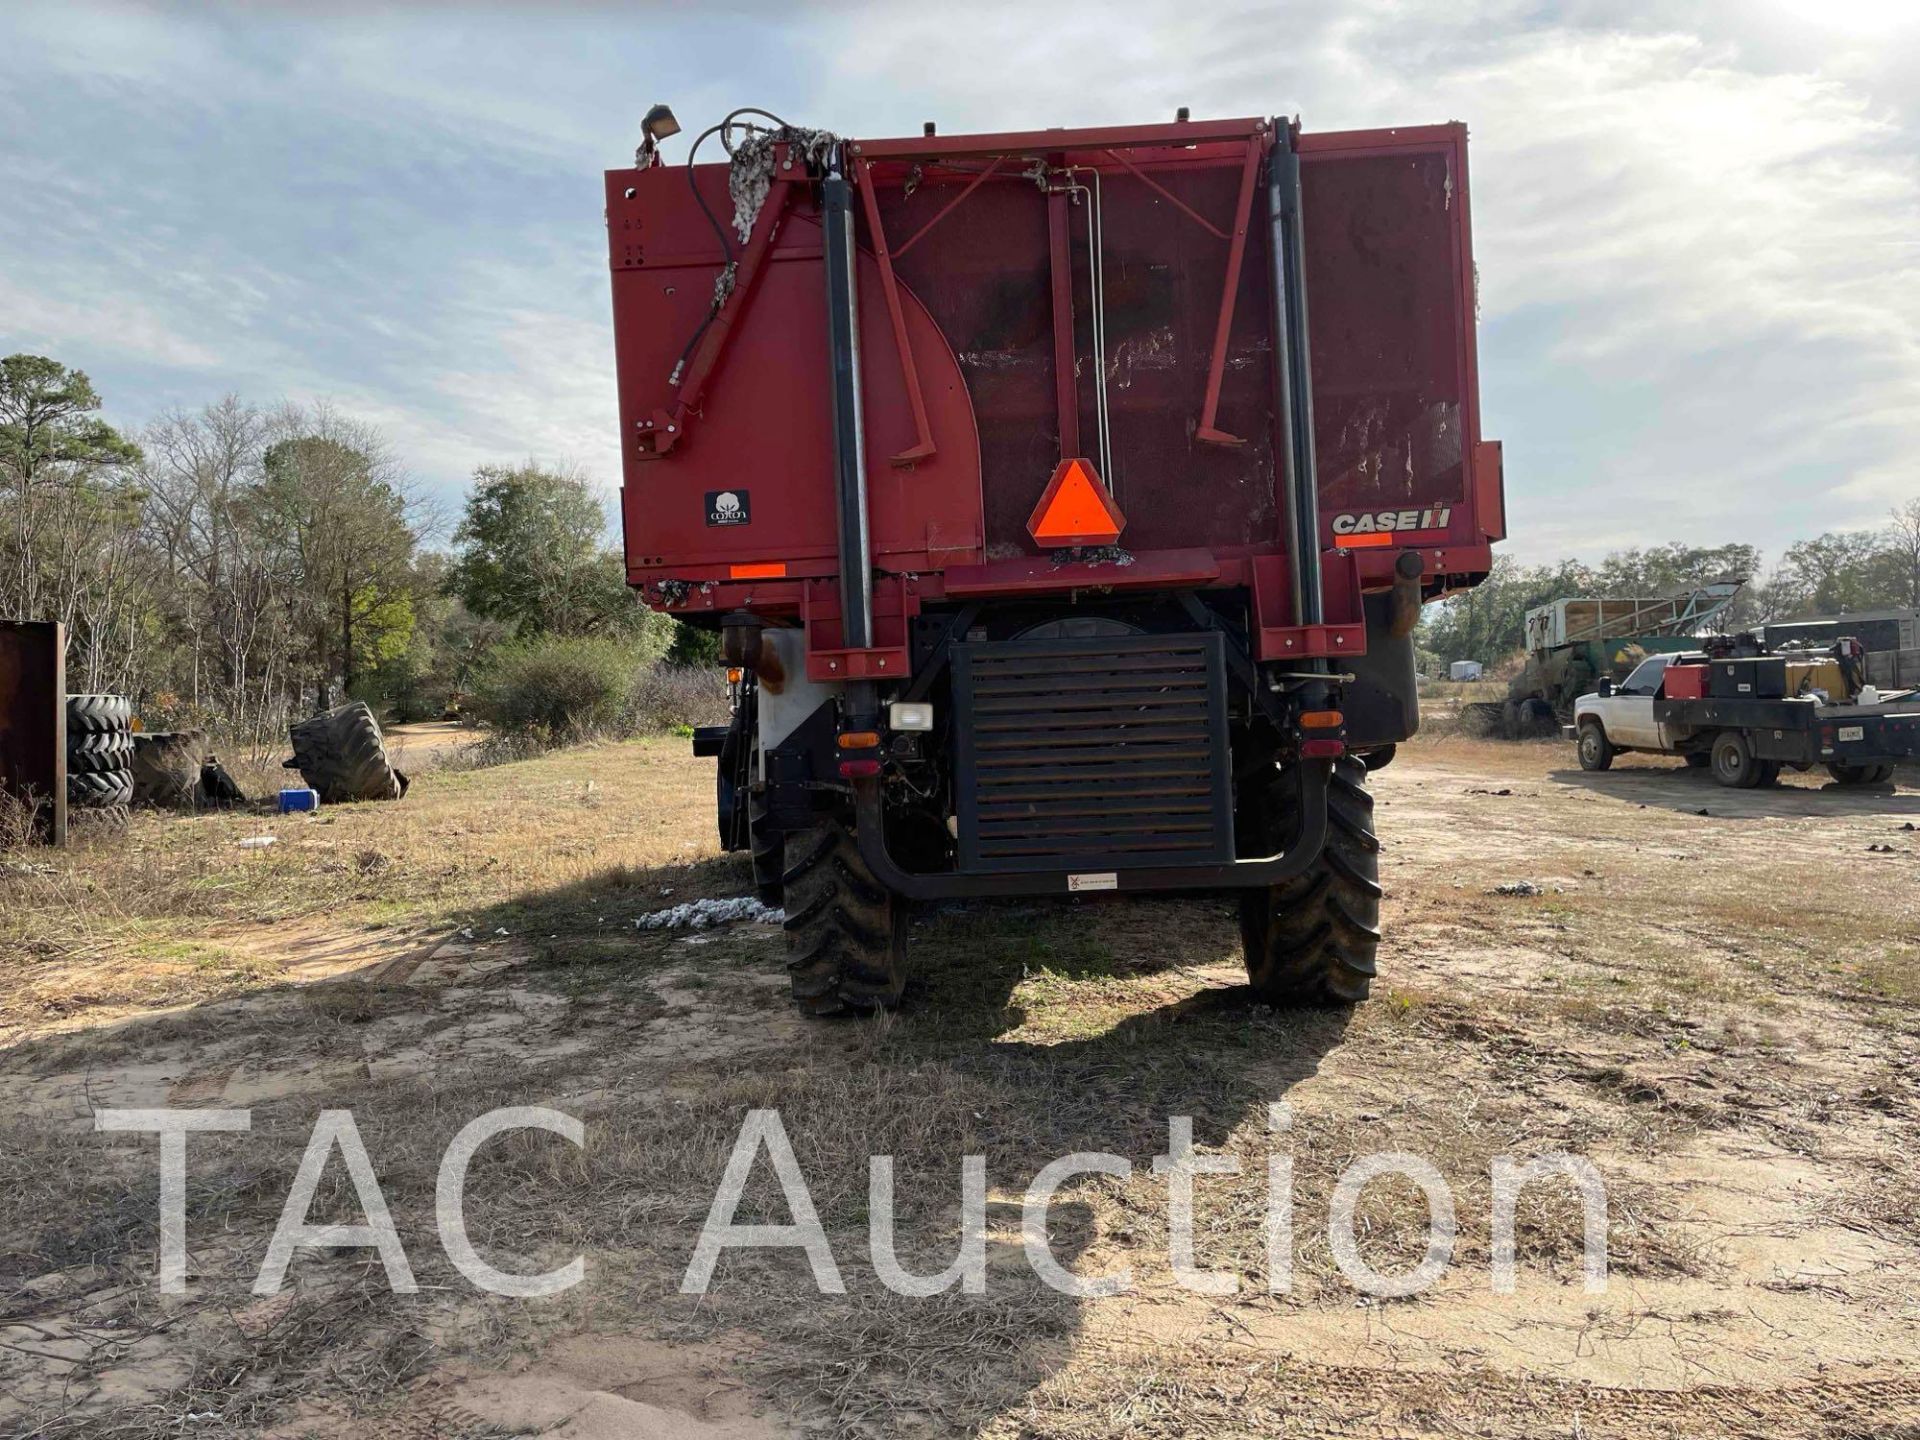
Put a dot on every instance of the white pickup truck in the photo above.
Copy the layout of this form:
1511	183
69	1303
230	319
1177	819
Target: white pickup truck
1746	739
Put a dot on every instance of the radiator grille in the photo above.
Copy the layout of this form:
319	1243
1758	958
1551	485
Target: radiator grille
1092	754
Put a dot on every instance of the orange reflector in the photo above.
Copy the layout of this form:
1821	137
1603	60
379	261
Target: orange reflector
734	672
1321	719
1358	542
758	572
859	739
1075	509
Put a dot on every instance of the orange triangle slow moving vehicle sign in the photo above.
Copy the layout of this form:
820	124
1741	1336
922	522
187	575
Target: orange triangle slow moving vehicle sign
1075	509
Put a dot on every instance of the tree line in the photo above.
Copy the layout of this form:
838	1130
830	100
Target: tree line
237	565
1843	572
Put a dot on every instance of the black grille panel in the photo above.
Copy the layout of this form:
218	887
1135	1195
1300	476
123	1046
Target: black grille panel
1090	755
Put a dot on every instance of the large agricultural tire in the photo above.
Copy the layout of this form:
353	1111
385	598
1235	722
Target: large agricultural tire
340	754
98	714
94	752
1312	941
1596	751
1733	762
1537	720
166	766
846	933
99	789
769	850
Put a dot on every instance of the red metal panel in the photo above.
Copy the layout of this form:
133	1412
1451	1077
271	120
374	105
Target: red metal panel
1236	254
764	426
1181	133
1048	577
33	722
1686	682
923	446
989	286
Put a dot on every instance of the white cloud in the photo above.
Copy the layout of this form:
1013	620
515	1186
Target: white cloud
1696	220
121	326
1704	265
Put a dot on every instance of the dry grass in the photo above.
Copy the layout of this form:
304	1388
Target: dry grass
1630	1012
178	893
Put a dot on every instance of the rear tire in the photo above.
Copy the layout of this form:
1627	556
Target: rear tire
98	714
1312	941
846	933
1733	762
1596	751
769	850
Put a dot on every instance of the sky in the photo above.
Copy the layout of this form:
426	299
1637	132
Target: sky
1697	225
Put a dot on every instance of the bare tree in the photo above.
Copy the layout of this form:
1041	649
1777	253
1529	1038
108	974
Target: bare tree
1906	541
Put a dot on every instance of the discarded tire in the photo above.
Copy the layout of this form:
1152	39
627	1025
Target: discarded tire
97	753
98	714
99	790
846	935
340	754
166	766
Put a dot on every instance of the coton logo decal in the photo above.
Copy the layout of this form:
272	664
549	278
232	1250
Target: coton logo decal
1380	522
727	507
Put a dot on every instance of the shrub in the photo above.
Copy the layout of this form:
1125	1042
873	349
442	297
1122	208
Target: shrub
557	689
677	697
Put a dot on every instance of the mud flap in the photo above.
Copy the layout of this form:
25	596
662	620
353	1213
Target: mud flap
1381	703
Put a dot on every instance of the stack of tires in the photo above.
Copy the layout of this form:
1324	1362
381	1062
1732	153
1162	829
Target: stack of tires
99	751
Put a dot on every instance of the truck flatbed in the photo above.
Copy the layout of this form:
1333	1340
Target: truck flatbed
1746	739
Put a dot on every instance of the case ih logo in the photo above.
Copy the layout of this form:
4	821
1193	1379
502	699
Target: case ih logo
1385	522
727	507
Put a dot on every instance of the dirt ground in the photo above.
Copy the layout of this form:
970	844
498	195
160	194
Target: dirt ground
1709	994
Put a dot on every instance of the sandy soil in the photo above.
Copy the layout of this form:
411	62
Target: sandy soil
1709	994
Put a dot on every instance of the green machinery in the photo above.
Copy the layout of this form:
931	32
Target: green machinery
1573	642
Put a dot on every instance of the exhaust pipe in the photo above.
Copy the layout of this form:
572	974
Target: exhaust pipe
849	422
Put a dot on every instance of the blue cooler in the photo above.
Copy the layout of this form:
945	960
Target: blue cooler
298	798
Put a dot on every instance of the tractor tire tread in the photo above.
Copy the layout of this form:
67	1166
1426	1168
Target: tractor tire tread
1312	941
846	934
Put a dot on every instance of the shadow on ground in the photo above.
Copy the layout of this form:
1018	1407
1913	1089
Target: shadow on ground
1031	1031
1688	790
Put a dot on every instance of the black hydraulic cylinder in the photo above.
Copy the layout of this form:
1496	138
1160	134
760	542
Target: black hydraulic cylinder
1293	376
849	428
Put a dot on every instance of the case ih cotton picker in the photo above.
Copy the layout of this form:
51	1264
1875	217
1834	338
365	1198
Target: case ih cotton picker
1067	500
